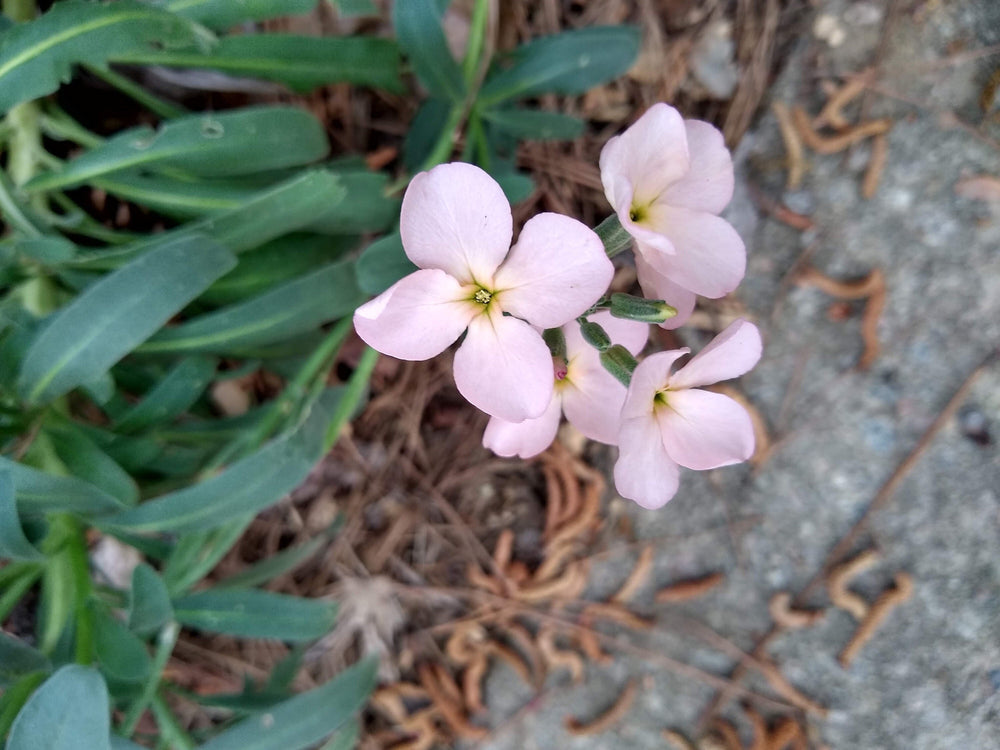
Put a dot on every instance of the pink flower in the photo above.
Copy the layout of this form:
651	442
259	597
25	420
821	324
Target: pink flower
668	179
589	395
456	226
667	421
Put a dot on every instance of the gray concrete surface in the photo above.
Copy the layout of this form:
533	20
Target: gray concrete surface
930	679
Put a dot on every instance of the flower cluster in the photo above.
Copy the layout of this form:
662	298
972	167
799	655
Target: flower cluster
541	339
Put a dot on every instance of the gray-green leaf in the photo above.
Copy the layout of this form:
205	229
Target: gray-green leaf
36	57
252	613
244	141
113	316
149	602
13	543
420	34
69	711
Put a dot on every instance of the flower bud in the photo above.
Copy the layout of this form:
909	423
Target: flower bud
614	236
619	362
556	342
640	309
594	335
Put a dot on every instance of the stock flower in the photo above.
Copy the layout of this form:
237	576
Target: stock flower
456	226
668	421
668	179
590	396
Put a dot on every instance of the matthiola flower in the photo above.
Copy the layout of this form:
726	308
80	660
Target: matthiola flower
668	422
668	179
456	226
590	397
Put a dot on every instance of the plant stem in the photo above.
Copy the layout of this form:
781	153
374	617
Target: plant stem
174	734
133	90
351	397
474	49
164	647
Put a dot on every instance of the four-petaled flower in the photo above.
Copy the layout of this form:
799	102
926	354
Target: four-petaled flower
667	421
668	179
456	226
591	398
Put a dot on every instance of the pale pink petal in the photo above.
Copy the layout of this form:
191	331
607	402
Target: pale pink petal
657	286
730	354
644	472
710	258
417	317
593	400
524	439
651	154
708	184
629	333
705	430
650	376
455	217
554	273
504	368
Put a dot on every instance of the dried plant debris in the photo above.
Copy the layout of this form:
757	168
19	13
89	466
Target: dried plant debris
689	589
609	718
879	611
871	288
840	578
785	616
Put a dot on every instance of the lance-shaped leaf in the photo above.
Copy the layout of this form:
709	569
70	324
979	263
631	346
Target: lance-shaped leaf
113	316
248	486
245	141
222	14
13	543
568	63
68	712
419	31
85	460
17	659
172	396
535	124
293	308
149	603
304	720
36	57
252	613
38	492
300	62
270	213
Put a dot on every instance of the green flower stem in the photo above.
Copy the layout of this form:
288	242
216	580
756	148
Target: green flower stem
351	397
76	552
471	64
614	236
57	124
174	734
165	642
134	91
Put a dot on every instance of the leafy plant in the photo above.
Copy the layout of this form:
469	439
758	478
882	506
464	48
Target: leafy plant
111	340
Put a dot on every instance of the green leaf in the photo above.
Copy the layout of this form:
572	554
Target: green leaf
248	486
48	250
14	698
120	652
13	543
368	210
222	14
18	659
535	124
276	565
149	602
39	492
108	320
302	63
421	36
279	260
251	613
172	396
68	712
198	552
300	722
346	738
423	133
382	264
568	63
36	57
515	185
272	212
240	142
292	308
176	197
352	8
86	461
